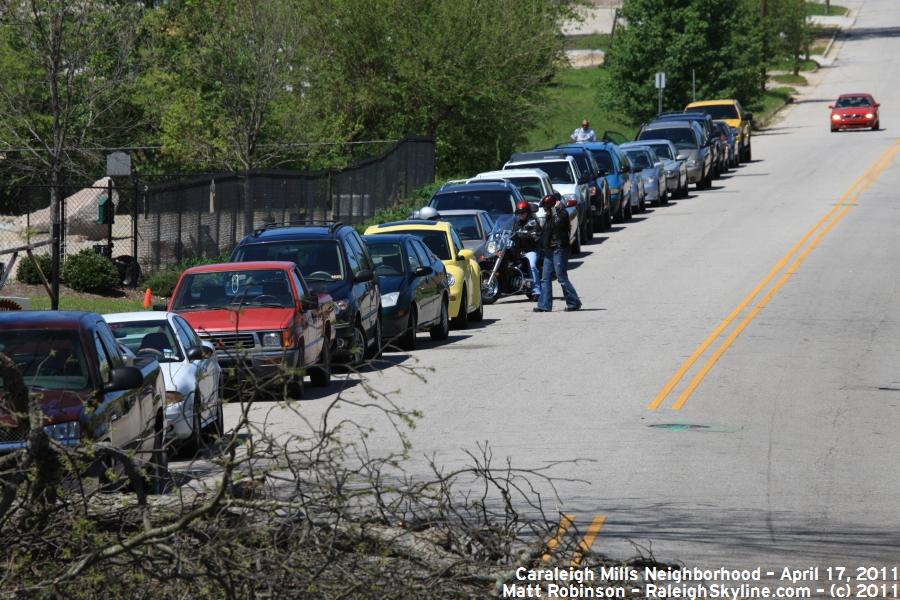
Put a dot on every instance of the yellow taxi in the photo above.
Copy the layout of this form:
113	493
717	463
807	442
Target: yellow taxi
463	271
732	113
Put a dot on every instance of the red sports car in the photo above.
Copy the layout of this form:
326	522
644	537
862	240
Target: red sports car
854	111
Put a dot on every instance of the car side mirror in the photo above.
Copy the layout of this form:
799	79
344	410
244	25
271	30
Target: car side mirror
465	254
124	378
679	157
363	276
423	271
162	307
198	353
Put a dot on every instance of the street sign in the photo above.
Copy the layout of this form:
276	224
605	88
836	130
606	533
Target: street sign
118	164
660	81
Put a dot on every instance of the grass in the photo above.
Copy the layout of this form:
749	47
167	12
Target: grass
818	9
790	79
788	65
571	98
593	41
97	304
771	101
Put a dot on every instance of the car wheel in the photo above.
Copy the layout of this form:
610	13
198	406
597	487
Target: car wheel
215	430
749	153
876	126
357	345
461	320
377	344
608	219
588	227
442	329
320	375
407	341
477	314
629	211
599	221
576	247
665	197
195	442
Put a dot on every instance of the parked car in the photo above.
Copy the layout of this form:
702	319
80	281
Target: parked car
333	260
473	227
463	272
674	166
533	184
729	137
494	197
855	111
265	322
688	139
734	114
415	292
653	173
567	179
86	387
710	139
618	177
190	370
601	211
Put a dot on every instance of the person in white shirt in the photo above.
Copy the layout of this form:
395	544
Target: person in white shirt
584	133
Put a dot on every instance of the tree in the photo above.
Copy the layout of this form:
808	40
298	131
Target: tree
718	40
64	69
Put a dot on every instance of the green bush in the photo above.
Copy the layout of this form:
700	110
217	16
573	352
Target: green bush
27	273
87	271
163	283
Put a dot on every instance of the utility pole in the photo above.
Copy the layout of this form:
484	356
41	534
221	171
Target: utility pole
693	85
764	13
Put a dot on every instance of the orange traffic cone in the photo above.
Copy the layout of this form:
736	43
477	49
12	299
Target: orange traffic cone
148	299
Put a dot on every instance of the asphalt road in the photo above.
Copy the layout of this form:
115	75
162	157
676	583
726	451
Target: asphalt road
785	453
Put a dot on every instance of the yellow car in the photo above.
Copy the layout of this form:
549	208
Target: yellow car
462	268
732	113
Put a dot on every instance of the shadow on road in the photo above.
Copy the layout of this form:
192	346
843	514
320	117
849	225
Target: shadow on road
868	33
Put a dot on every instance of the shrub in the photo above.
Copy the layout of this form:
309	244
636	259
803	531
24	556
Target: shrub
87	271
27	272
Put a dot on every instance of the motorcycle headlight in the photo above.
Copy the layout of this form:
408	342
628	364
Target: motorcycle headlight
64	433
342	305
492	247
451	279
271	339
390	299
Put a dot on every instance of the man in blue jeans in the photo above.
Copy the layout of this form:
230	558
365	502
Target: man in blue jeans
527	234
555	246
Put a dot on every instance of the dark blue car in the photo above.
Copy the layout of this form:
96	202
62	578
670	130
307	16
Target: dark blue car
600	196
415	292
618	176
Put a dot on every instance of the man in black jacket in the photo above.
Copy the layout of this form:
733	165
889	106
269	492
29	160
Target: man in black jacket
555	247
527	233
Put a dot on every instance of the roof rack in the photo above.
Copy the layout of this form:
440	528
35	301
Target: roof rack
332	225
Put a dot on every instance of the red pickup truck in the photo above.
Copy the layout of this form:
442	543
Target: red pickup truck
86	386
267	326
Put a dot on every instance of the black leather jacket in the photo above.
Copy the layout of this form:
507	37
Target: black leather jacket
555	233
527	234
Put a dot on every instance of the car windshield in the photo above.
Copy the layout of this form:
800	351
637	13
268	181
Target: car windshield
718	111
529	187
153	335
252	287
662	151
466	225
682	137
436	241
319	260
582	162
558	171
495	202
387	258
639	159
853	102
47	359
603	159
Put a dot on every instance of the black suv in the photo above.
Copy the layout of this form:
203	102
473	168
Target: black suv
333	259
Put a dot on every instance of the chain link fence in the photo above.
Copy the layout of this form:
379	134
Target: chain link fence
205	216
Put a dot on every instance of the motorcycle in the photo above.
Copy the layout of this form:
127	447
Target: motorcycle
504	267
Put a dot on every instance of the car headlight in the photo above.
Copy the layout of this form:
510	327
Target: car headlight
69	431
492	247
870	115
692	162
173	398
835	117
342	305
390	299
670	173
451	279
271	339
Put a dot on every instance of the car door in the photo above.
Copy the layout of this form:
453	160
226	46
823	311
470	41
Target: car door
422	286
310	321
206	369
437	278
367	291
473	273
122	409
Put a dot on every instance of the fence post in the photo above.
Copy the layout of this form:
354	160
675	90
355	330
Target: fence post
134	219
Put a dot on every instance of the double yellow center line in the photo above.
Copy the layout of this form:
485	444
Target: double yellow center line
819	230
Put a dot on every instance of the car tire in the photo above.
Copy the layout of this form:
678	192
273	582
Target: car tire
358	345
576	247
194	444
599	221
216	430
407	341
157	470
588	227
749	153
477	315
608	219
378	344
320	374
441	330
461	320
876	126
629	211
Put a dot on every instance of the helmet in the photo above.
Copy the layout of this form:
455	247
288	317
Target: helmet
523	206
548	200
429	213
